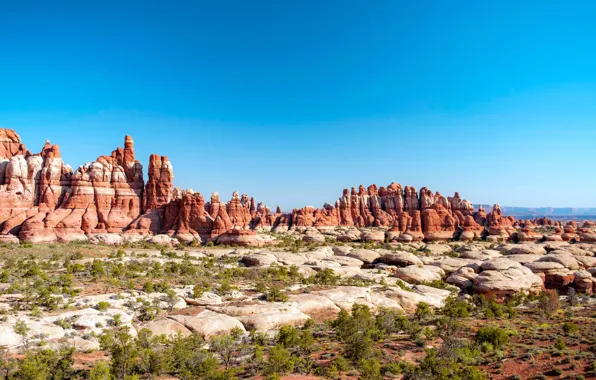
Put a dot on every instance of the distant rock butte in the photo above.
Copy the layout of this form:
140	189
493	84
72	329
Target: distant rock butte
42	199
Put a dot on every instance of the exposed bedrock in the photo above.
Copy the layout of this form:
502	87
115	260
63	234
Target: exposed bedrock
42	199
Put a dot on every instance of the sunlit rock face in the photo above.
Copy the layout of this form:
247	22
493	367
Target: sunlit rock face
44	199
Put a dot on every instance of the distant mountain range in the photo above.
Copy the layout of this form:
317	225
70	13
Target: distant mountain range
562	213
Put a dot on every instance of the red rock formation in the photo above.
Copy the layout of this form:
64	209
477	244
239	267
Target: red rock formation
303	217
327	216
499	227
527	234
471	229
41	199
438	223
239	211
411	200
10	144
415	227
569	231
159	188
219	213
462	205
345	209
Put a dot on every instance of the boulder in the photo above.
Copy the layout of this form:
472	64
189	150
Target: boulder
365	255
452	264
506	283
543	266
462	278
483	255
376	236
500	264
259	259
168	327
345	297
517	249
317	307
208	323
567	260
419	274
409	299
400	258
584	282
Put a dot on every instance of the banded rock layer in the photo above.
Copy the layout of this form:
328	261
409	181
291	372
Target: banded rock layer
44	200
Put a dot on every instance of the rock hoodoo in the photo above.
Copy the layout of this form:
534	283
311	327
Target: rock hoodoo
42	200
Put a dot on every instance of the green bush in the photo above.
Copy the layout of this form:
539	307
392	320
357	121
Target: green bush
560	344
288	337
275	294
279	362
325	277
358	331
570	328
494	336
370	369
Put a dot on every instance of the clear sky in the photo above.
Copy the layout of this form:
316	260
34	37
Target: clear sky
291	101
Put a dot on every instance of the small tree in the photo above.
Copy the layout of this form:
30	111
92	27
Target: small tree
423	311
150	361
358	331
279	362
21	328
8	363
100	371
171	298
224	346
548	302
494	336
275	294
288	337
121	346
97	269
370	369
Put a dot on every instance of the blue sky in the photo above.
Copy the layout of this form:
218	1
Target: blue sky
291	101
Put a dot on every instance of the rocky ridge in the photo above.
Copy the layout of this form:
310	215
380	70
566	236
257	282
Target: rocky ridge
42	199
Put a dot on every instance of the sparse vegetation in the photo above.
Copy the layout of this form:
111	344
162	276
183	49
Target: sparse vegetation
469	338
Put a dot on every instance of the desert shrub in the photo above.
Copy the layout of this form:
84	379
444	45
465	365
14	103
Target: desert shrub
445	365
493	336
493	310
439	284
570	328
147	311
370	369
100	371
423	311
389	321
97	270
288	337
229	347
358	331
275	294
340	364
225	286
325	277
279	362
556	371
455	308
548	302
46	364
123	352
200	288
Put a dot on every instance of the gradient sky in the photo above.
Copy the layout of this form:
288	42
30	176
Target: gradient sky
291	101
